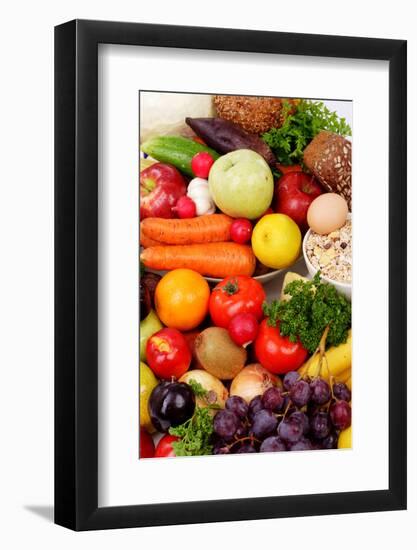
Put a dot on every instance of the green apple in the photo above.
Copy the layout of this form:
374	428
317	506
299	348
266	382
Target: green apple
241	184
147	328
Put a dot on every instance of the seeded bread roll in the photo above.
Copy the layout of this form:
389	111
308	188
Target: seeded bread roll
254	114
329	157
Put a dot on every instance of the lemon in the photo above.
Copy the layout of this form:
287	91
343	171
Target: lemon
345	439
147	381
276	241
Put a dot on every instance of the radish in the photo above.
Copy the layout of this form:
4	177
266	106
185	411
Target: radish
243	329
185	208
201	164
241	231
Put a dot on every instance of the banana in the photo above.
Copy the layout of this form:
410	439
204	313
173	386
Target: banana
344	376
349	382
345	439
337	358
290	276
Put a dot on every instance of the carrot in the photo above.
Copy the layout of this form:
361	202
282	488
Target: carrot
145	241
203	229
210	259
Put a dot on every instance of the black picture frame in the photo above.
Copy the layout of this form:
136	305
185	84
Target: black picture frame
76	270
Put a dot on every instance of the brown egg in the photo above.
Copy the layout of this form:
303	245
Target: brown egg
327	213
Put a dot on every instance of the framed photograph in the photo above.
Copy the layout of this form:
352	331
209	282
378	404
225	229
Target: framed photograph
230	284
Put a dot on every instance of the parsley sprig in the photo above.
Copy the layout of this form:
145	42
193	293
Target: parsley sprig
314	306
196	432
310	117
198	389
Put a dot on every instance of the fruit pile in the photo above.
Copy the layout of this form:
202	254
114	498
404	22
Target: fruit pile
223	369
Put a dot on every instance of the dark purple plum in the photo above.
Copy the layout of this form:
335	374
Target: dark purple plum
170	404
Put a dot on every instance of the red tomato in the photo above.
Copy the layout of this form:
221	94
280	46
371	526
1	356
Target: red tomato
168	353
275	352
146	445
234	295
164	448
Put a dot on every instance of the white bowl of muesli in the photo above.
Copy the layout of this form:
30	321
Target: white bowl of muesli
332	255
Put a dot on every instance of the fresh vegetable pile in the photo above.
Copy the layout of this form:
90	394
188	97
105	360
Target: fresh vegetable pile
223	368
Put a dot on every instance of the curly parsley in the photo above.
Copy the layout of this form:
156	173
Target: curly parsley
195	434
289	141
197	388
314	306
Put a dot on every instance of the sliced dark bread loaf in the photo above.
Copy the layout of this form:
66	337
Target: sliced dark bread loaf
329	157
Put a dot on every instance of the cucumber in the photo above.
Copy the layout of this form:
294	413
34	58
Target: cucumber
176	150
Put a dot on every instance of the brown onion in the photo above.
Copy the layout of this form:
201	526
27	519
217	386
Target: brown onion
217	393
253	380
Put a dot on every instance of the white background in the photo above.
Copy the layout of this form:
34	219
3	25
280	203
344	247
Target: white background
26	300
122	478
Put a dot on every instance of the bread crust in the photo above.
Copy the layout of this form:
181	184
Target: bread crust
329	158
255	114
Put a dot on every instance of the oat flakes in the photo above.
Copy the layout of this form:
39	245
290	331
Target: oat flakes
332	253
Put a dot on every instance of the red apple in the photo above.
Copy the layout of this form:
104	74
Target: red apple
146	447
294	192
161	185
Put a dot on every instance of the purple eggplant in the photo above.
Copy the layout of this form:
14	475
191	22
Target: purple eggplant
224	137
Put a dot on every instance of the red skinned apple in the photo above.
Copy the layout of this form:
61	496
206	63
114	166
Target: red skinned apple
161	185
294	192
146	447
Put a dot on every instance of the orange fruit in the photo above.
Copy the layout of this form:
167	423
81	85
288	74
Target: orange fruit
181	299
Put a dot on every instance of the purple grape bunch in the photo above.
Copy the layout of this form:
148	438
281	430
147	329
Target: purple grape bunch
303	414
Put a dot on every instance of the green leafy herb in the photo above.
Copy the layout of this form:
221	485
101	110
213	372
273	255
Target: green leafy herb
314	306
310	117
195	434
197	388
209	397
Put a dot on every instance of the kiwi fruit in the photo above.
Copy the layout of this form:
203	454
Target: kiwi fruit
218	354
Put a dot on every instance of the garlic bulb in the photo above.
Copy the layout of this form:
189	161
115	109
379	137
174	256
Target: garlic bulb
198	190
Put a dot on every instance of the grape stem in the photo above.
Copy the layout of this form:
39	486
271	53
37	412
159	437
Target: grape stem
251	439
332	398
286	409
